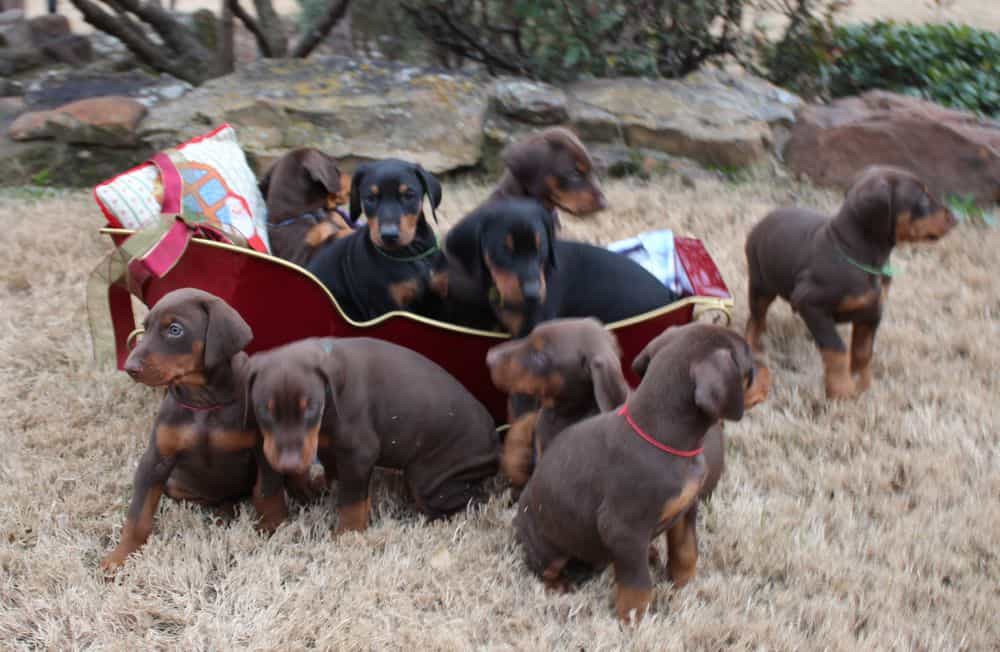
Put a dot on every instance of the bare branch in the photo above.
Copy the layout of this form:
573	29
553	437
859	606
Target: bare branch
318	31
148	52
248	21
271	27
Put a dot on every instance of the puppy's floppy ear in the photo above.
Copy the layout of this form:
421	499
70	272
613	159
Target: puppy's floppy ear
226	335
871	207
322	169
525	160
247	396
641	361
356	181
549	220
610	388
431	186
464	240
330	370
265	181
718	386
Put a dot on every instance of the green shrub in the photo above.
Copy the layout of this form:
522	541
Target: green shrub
558	40
954	65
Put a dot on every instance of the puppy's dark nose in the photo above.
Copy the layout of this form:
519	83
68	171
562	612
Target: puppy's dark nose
133	367
531	290
389	233
289	460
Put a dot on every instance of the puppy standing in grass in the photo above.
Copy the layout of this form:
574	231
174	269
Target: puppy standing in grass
199	449
836	270
361	403
610	484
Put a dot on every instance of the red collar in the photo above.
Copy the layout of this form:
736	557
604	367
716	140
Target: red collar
663	447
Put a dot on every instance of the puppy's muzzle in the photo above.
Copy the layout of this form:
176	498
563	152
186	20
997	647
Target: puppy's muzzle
389	233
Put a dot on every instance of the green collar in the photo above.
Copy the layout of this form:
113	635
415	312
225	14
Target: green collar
433	249
886	270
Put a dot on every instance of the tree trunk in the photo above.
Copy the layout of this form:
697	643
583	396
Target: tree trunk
272	28
318	31
225	57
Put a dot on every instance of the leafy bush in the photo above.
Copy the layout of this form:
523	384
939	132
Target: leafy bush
558	40
954	65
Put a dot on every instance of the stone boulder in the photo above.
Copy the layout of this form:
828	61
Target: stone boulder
529	101
954	152
713	117
353	110
14	30
47	27
106	121
72	49
57	88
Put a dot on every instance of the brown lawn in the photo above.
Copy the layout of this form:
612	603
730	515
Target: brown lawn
865	525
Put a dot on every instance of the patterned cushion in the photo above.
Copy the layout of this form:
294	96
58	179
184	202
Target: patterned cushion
217	185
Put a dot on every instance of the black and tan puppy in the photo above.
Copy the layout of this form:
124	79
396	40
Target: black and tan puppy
199	449
835	270
504	258
303	190
611	483
572	367
361	403
386	266
553	167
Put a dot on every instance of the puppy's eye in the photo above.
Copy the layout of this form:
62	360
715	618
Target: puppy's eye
311	411
409	195
370	200
538	359
175	330
262	408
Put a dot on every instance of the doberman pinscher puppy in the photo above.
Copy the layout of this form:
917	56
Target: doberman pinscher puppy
199	449
511	264
386	266
607	486
553	167
572	367
835	270
361	403
303	190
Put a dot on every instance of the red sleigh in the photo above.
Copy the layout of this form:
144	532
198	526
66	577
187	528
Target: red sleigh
283	302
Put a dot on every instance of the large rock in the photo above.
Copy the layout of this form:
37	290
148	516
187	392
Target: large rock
106	121
952	151
14	30
72	49
62	164
529	101
46	27
18	60
57	88
353	110
712	117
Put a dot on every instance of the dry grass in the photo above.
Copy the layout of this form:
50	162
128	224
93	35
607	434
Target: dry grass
866	525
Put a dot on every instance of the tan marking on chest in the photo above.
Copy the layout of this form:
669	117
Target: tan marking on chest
405	292
853	303
173	440
682	501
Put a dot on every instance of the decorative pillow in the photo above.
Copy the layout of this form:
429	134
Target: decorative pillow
217	187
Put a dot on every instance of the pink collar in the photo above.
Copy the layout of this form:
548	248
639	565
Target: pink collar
663	447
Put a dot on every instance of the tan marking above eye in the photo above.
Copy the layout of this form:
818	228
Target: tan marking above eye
508	242
167	319
581	167
403	188
270	405
373	190
303	403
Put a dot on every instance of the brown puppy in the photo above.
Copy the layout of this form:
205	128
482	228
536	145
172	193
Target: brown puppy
610	484
835	270
198	450
572	367
302	190
554	167
361	403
